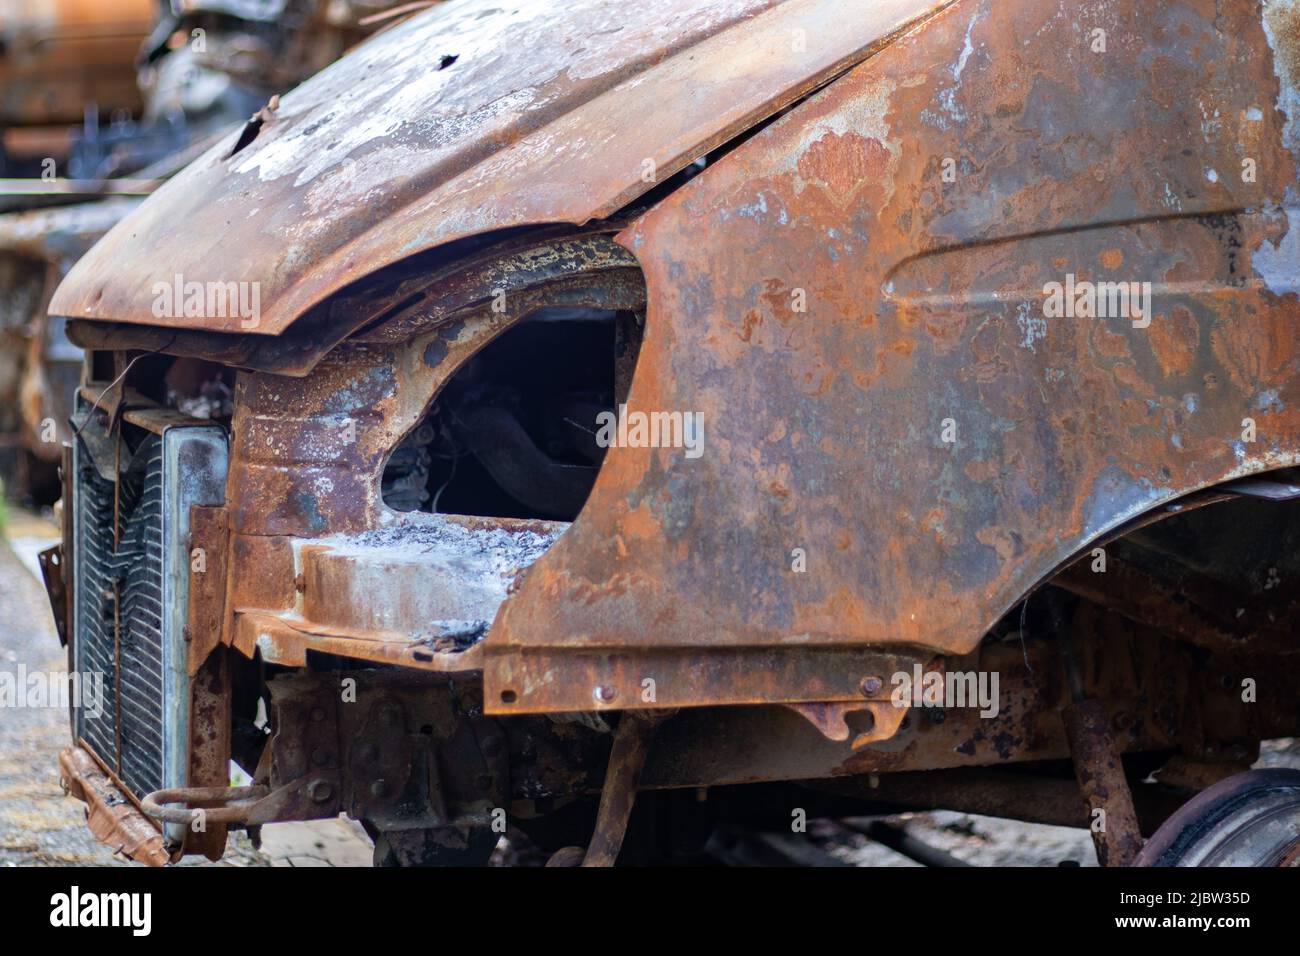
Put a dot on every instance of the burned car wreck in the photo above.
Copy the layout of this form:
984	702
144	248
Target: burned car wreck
963	339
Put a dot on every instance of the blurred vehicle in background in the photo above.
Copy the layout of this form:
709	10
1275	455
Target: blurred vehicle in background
99	103
62	64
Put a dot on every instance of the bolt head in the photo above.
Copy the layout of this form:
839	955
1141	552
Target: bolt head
320	790
871	686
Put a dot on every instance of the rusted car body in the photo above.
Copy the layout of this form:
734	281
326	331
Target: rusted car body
853	239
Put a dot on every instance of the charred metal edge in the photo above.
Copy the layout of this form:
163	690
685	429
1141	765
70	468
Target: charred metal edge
111	813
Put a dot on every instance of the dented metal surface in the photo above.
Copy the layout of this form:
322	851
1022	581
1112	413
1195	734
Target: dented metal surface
380	156
925	310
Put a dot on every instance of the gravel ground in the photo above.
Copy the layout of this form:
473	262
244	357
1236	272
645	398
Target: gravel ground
39	826
979	841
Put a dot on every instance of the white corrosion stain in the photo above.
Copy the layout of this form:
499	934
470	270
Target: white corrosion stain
383	86
1033	325
1269	401
498	553
1277	14
865	115
1279	264
1170	198
948	97
966	50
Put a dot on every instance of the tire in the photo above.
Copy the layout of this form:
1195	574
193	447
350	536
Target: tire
1251	819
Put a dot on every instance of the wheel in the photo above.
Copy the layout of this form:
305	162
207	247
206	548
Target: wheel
1251	819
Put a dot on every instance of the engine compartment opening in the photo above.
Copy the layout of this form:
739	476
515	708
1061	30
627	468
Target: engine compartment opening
513	433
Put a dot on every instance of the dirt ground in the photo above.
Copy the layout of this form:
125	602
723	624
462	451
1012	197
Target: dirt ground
39	826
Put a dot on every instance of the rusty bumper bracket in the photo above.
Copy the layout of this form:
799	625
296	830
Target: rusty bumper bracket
111	817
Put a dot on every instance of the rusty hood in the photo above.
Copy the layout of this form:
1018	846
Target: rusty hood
471	117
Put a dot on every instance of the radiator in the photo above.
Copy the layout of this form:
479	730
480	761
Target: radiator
132	494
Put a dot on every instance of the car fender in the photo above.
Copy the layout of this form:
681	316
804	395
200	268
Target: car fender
901	438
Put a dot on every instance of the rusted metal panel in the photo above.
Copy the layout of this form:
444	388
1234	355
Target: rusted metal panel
381	156
51	562
209	543
285	640
209	746
420	594
926	313
650	677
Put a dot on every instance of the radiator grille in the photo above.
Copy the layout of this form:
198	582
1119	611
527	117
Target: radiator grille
130	570
121	610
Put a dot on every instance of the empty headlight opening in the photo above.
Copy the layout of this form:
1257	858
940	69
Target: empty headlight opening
513	433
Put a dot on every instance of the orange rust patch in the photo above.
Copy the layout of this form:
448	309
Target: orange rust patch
845	164
1174	342
981	470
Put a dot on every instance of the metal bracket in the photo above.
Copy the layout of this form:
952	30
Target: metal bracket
311	797
56	588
